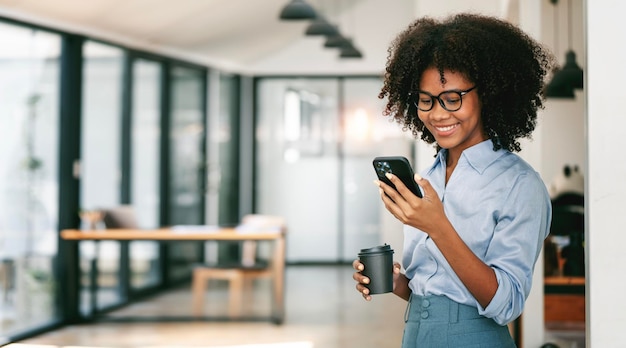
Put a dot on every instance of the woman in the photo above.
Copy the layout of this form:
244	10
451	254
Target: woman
471	85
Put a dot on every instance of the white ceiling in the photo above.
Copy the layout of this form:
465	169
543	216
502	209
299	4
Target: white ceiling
240	35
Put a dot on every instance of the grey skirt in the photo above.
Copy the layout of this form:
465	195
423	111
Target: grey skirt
438	322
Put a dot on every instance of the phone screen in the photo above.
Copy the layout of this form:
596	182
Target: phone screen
400	167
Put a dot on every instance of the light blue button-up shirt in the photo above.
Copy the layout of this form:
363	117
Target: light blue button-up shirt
501	209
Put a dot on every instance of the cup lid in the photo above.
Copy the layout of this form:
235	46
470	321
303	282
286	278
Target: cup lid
377	249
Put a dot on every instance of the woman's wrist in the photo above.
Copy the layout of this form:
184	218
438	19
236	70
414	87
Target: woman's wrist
401	287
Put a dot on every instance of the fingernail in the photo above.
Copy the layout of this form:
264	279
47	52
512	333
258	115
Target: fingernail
377	183
388	175
366	281
418	177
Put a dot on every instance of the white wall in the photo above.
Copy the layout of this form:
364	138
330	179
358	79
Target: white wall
605	188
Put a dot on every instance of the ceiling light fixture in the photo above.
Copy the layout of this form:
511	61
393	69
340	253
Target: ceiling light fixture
297	10
350	52
320	26
570	77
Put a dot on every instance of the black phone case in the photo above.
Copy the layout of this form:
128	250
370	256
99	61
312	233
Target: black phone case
398	166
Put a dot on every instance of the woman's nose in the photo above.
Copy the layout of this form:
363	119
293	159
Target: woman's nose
439	113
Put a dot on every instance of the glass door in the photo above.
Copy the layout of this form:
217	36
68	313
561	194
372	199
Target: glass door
187	158
298	164
315	142
144	168
367	134
100	184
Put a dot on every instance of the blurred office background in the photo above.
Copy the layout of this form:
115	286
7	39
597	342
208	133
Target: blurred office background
198	112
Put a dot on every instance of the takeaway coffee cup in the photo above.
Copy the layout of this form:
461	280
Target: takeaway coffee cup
378	267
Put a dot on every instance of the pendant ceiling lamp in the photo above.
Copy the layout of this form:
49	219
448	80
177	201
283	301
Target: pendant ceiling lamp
320	26
349	51
297	10
570	77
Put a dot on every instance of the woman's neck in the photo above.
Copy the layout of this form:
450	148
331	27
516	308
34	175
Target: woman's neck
452	158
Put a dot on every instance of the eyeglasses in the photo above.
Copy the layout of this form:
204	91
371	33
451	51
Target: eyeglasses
449	100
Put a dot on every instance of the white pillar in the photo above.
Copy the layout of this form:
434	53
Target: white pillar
605	186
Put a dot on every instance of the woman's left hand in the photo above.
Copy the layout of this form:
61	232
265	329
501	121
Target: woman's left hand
421	213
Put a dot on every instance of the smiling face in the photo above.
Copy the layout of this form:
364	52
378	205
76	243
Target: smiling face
453	130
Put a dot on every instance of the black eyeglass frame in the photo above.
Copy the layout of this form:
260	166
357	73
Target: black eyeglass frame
438	98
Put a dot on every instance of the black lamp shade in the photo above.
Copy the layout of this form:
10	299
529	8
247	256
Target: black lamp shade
567	79
337	41
297	10
320	26
350	51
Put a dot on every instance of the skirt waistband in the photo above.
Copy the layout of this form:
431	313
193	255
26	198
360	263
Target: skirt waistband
438	308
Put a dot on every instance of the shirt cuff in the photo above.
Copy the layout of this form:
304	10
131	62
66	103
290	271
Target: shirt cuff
497	307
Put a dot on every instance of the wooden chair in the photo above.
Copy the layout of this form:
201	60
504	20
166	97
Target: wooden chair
238	275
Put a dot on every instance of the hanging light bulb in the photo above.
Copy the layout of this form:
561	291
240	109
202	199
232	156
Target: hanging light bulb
570	77
297	10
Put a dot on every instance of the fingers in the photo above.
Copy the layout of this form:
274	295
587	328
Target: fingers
401	193
360	286
365	292
388	194
396	268
361	280
356	264
427	189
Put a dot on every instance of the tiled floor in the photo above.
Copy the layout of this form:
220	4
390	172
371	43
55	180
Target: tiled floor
323	311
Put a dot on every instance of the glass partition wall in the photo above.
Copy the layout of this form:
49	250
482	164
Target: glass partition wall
315	141
29	97
129	172
139	140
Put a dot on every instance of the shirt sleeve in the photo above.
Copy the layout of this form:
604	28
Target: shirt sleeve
522	224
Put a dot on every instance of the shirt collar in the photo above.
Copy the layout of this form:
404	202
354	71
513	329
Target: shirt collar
479	156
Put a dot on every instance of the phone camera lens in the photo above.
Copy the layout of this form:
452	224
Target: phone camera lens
386	167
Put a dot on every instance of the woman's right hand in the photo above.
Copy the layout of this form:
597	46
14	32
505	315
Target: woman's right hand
361	280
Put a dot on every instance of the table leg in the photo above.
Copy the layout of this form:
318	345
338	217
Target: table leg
279	280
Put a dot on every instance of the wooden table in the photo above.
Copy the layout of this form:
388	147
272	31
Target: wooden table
564	301
208	233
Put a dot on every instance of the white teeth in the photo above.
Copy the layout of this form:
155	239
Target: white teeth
445	129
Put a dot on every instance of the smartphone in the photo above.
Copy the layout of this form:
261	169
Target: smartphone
400	167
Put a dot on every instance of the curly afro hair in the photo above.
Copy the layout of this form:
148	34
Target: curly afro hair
507	66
